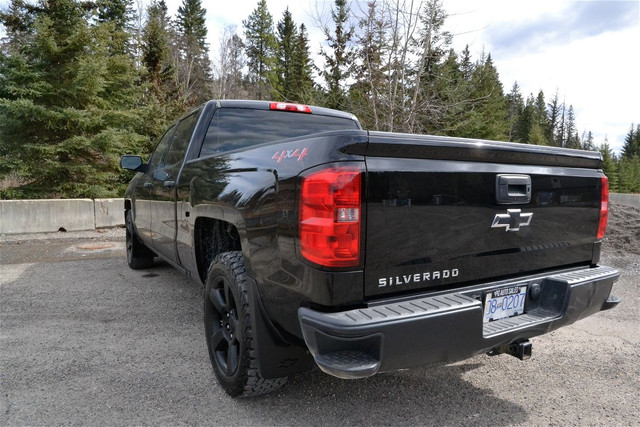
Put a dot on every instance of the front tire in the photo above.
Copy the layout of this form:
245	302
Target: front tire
138	255
228	331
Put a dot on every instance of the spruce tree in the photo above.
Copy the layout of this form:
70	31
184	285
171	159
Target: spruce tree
538	130
301	69
194	69
554	112
163	99
452	94
571	132
17	21
525	121
260	45
156	48
560	134
629	175
68	106
515	105
340	56
631	145
610	166
366	95
286	39
466	66
488	117
431	47
588	142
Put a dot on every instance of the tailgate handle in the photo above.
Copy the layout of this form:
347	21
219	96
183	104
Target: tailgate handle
513	189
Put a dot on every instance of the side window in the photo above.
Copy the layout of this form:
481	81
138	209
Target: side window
161	148
181	139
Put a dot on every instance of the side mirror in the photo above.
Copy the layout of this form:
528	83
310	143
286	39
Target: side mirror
133	163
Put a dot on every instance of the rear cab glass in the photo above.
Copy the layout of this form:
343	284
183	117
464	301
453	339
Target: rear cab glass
236	128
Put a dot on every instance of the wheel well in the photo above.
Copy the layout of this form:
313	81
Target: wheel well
213	237
127	207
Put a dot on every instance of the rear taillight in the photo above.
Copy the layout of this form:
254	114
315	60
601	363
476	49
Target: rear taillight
604	207
330	217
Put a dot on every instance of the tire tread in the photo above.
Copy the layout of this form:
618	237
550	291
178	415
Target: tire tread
252	383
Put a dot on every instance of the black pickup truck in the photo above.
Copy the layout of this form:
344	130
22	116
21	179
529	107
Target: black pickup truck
319	243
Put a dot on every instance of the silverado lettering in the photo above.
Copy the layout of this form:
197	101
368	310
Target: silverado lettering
417	278
283	213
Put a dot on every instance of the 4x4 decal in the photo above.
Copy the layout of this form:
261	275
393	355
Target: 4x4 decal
289	154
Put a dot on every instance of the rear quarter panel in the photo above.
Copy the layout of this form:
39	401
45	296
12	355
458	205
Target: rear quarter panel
256	190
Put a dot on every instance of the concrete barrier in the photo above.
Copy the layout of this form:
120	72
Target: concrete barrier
43	216
109	212
632	200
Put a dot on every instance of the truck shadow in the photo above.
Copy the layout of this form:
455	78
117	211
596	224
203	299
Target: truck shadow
425	396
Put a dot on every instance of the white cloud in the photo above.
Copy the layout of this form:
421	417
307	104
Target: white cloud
592	65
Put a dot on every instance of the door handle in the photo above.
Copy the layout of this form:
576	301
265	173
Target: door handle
148	185
169	184
513	189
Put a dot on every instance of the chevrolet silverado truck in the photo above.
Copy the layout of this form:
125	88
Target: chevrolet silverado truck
322	244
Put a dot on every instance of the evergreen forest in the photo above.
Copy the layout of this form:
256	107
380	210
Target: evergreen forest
84	81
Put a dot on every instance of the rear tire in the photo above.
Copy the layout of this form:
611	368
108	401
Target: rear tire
227	325
138	255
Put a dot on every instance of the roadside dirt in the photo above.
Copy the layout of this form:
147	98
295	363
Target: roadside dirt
623	230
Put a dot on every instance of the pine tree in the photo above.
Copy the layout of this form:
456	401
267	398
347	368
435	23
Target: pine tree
339	59
260	45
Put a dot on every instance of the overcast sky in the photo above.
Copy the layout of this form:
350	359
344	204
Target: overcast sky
587	50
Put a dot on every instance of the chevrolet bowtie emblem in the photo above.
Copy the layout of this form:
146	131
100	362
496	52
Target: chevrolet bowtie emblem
512	220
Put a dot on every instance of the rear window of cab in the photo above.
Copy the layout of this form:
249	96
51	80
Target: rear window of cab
236	128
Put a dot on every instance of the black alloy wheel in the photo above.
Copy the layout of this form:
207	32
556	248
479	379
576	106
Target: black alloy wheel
221	313
228	331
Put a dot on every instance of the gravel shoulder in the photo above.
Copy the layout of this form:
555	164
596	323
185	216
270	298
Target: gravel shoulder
85	340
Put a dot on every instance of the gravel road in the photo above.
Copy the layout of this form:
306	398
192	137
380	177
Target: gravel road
85	340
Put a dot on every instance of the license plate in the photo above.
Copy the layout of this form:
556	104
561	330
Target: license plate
505	302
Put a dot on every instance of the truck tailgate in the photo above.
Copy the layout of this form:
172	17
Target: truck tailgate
436	219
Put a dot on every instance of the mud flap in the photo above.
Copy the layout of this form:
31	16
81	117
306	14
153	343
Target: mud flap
276	357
